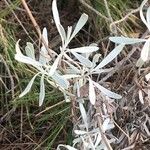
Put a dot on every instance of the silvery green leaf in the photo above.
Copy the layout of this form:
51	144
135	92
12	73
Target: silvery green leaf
69	76
142	15
107	125
62	33
55	13
75	69
42	91
98	140
80	132
126	40
83	60
141	97
62	82
86	49
92	95
65	146
139	62
54	66
147	77
83	114
27	89
18	51
45	35
57	21
107	92
145	51
110	56
69	31
148	16
30	50
96	58
83	19
27	60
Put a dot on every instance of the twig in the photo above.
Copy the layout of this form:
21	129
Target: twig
123	19
94	10
6	2
48	108
99	120
110	18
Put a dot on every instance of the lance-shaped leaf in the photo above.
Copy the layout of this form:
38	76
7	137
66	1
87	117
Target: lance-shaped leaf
65	146
69	76
83	114
107	92
145	51
44	57
27	89
83	60
148	16
72	67
57	21
54	66
80	132
25	59
62	82
83	19
42	91
126	40
107	125
141	97
110	56
86	49
147	77
30	50
142	15
92	95
69	31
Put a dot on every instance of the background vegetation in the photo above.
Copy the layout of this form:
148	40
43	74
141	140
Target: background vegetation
23	125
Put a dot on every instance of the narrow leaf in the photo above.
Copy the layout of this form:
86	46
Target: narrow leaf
75	69
83	19
27	89
80	132
57	21
148	16
18	51
65	146
107	92
45	35
83	60
145	51
141	97
110	56
69	31
27	60
92	95
42	91
62	33
147	77
83	114
126	40
142	15
62	82
69	76
30	50
55	13
86	49
55	64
